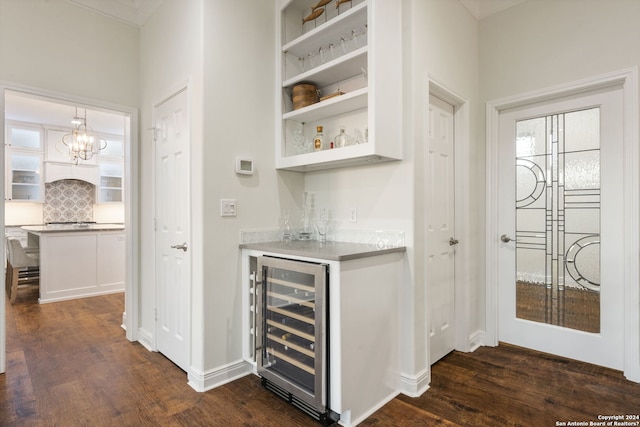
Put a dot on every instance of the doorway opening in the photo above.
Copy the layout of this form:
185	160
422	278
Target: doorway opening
97	190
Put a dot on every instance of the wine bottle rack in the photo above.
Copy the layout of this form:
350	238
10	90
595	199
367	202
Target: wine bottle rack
291	349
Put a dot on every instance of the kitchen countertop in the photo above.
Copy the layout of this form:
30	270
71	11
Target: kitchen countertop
332	251
56	228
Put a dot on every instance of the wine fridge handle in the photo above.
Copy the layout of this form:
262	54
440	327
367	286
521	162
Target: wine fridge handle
257	320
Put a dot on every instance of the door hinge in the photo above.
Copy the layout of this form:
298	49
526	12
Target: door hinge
155	224
155	314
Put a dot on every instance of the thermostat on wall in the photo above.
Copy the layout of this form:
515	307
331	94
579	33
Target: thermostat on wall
244	166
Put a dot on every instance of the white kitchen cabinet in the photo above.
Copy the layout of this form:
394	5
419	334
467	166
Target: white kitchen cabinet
24	135
114	148
111	259
353	55
24	162
24	176
364	326
110	182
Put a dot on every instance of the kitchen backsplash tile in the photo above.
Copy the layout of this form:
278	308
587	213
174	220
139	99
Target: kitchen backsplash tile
68	200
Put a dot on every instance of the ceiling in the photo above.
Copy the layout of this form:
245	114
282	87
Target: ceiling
42	111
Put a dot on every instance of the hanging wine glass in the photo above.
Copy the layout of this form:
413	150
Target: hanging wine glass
332	51
343	44
324	54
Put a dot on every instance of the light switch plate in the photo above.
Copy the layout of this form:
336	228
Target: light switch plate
228	207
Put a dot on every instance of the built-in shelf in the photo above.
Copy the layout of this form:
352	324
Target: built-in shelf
357	54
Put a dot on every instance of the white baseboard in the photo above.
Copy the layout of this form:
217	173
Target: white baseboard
415	385
476	340
204	381
145	339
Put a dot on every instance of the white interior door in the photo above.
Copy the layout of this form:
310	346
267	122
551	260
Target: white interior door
561	219
171	134
440	229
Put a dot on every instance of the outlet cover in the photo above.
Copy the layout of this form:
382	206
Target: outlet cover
353	214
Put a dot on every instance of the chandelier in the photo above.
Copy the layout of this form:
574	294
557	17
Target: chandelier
82	143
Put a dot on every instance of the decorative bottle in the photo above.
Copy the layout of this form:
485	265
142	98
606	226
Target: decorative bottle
341	138
318	139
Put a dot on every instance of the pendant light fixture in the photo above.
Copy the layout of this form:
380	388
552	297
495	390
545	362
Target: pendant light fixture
82	143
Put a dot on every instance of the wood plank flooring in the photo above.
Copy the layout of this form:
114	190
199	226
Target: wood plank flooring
69	364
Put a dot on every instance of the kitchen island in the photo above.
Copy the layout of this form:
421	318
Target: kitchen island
79	260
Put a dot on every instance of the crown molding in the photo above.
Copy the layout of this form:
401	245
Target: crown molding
133	12
480	9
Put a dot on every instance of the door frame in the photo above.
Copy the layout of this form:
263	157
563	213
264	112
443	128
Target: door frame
628	80
131	171
462	295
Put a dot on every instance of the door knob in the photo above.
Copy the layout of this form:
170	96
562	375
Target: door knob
506	239
182	246
453	242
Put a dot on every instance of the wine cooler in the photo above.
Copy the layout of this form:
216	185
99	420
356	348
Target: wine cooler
291	333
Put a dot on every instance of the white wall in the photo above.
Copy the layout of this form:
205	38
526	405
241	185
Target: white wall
170	58
448	45
56	46
23	214
542	43
239	104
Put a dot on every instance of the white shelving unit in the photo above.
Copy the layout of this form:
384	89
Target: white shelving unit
354	50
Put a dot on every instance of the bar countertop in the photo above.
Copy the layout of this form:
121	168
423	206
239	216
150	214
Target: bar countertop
331	251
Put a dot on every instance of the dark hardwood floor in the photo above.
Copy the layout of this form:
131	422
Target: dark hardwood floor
69	364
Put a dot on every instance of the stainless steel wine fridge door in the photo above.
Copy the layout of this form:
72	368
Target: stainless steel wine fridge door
291	350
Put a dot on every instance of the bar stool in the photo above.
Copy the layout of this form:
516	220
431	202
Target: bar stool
22	268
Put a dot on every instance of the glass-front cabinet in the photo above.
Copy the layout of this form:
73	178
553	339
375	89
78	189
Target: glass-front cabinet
339	74
110	182
24	136
114	147
25	177
24	156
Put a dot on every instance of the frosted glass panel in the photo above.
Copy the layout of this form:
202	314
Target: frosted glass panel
558	219
582	130
582	170
114	148
25	138
531	138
